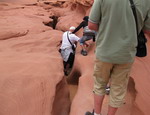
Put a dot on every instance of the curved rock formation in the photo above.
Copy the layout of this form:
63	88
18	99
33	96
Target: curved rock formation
32	80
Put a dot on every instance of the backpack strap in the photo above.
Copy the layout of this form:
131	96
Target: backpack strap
134	13
72	45
68	38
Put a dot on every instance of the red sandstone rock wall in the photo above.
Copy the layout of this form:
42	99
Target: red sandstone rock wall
31	70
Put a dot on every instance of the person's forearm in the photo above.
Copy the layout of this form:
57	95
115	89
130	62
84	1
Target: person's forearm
93	26
147	33
78	28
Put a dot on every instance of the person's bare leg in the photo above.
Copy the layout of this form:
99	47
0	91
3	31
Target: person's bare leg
82	46
112	110
98	100
86	44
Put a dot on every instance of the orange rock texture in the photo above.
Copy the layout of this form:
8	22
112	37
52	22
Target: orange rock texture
32	81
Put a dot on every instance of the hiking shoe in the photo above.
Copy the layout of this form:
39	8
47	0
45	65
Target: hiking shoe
84	53
89	113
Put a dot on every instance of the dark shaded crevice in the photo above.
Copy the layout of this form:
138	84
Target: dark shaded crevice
52	23
61	104
55	20
73	78
34	4
57	4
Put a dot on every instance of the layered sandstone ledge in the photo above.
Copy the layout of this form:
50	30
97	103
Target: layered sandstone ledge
31	70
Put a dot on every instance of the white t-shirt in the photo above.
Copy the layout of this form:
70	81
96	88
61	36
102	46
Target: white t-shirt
65	42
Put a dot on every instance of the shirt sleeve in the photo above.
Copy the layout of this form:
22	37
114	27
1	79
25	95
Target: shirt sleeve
147	22
79	27
95	13
75	38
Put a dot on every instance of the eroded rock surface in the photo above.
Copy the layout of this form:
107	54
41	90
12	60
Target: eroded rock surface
32	80
31	69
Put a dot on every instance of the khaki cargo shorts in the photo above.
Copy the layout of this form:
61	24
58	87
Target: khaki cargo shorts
118	74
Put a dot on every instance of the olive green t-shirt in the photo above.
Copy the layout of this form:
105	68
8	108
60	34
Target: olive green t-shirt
116	40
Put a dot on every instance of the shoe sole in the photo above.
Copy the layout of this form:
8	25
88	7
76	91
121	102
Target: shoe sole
89	113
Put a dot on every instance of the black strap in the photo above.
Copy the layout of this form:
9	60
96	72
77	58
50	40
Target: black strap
134	13
68	38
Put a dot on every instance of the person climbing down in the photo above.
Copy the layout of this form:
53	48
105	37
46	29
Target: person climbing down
68	46
87	35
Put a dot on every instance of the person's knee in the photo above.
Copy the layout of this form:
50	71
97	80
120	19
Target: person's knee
117	96
99	86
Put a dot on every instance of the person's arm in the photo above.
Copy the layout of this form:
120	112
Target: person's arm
93	26
146	28
95	15
79	27
74	38
147	33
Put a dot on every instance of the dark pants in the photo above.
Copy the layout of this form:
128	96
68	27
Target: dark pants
70	61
